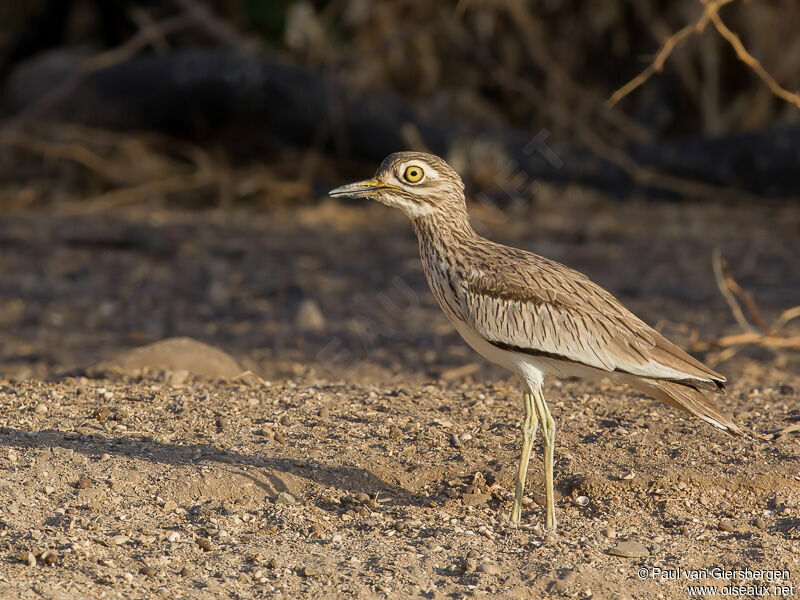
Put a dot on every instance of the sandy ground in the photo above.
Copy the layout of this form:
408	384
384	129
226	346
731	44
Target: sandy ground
374	455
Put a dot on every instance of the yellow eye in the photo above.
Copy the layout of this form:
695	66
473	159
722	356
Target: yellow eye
413	174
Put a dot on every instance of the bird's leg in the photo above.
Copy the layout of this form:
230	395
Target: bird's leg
528	432
548	426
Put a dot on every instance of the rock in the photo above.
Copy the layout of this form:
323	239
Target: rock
310	571
285	498
475	499
726	525
204	543
84	483
309	316
629	550
176	354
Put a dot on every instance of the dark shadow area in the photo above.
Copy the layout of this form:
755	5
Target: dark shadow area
347	478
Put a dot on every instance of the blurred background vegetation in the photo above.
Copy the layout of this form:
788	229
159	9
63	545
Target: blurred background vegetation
512	68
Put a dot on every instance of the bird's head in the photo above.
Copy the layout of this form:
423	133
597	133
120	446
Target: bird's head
417	183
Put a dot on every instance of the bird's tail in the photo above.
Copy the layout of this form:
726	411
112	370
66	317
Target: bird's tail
692	399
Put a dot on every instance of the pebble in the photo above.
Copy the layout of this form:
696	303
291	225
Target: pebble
147	571
103	414
204	543
629	550
400	526
475	499
41	409
29	558
173	536
470	565
309	571
285	498
83	483
726	525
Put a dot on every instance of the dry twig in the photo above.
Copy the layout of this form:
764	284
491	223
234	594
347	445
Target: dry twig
710	14
765	336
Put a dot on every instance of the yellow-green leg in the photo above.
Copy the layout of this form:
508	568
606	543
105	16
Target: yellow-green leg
528	433
548	426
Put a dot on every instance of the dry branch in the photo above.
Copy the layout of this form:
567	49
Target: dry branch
766	336
710	14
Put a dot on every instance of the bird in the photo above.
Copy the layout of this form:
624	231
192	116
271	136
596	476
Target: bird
532	315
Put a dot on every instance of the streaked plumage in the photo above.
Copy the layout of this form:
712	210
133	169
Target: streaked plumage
530	314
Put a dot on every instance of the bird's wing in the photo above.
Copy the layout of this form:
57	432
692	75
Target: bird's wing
543	308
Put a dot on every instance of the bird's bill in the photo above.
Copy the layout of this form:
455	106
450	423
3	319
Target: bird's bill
358	189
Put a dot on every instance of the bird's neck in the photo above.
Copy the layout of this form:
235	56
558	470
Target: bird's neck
443	232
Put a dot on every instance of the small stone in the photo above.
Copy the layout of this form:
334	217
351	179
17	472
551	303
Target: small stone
147	571
470	565
204	543
41	409
400	526
309	571
285	498
119	540
760	523
726	525
489	568
309	316
103	414
29	558
629	550
170	506
173	537
475	499
84	483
